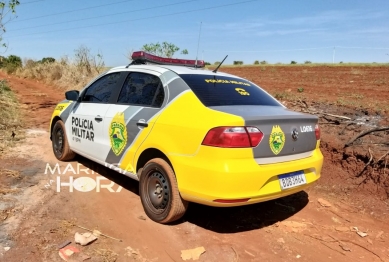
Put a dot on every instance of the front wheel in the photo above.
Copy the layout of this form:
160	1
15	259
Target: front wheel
159	193
60	143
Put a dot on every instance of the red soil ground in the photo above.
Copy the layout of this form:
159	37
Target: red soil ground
33	221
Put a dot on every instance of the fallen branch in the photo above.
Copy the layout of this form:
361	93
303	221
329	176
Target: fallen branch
339	215
333	249
98	232
344	128
320	239
368	163
352	242
236	254
382	157
332	121
378	129
342	117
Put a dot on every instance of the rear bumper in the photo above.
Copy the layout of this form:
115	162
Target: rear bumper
203	180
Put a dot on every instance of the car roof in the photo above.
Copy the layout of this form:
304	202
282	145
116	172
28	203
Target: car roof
165	68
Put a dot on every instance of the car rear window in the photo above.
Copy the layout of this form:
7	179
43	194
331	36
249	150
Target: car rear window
225	91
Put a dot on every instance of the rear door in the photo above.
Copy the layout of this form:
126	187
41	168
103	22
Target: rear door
85	124
129	121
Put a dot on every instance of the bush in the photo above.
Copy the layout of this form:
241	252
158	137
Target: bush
256	62
217	63
207	63
264	62
238	62
293	62
307	62
11	63
29	63
47	60
9	116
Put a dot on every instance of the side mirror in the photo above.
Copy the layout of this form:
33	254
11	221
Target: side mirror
72	95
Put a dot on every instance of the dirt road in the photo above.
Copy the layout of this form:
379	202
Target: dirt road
315	225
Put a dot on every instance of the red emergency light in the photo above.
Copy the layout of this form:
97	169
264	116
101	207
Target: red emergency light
141	56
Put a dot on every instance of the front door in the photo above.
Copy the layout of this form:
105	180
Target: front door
85	125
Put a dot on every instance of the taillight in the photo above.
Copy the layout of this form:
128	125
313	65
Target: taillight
233	137
317	132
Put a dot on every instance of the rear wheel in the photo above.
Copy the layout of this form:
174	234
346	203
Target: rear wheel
60	143
159	193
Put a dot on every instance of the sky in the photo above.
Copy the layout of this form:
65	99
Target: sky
277	31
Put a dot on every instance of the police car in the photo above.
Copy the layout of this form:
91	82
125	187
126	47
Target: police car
188	135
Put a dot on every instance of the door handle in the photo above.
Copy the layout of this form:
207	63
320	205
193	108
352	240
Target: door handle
98	118
142	124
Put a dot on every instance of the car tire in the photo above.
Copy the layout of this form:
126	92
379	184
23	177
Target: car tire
60	143
159	193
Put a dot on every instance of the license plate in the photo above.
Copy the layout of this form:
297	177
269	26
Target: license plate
292	180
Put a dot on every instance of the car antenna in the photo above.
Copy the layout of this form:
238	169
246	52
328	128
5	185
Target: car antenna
215	71
198	44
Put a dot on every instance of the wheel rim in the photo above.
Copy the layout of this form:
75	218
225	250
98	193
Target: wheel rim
58	141
157	191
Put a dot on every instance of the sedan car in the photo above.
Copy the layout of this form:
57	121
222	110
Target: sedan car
188	135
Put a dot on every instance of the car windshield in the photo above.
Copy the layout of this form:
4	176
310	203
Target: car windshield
225	91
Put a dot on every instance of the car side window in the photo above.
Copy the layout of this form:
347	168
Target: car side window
143	90
100	91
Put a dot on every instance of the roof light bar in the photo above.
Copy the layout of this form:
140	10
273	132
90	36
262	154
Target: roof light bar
141	56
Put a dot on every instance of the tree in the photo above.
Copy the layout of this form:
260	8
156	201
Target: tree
11	63
87	61
7	11
47	60
165	50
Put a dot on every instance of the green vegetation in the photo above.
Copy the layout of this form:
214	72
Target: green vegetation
263	62
11	63
165	49
238	62
293	62
7	12
47	60
9	117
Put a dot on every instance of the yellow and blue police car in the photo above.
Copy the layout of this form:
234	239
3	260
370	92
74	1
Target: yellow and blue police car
188	135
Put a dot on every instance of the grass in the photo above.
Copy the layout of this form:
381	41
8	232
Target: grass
10	116
62	74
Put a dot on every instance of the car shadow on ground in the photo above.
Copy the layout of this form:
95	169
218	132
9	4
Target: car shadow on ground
245	218
219	219
119	179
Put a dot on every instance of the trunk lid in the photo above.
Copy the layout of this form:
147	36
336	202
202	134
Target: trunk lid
288	135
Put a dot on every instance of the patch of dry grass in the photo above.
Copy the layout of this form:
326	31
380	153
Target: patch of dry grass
10	173
62	74
4	191
65	73
65	227
106	255
10	117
